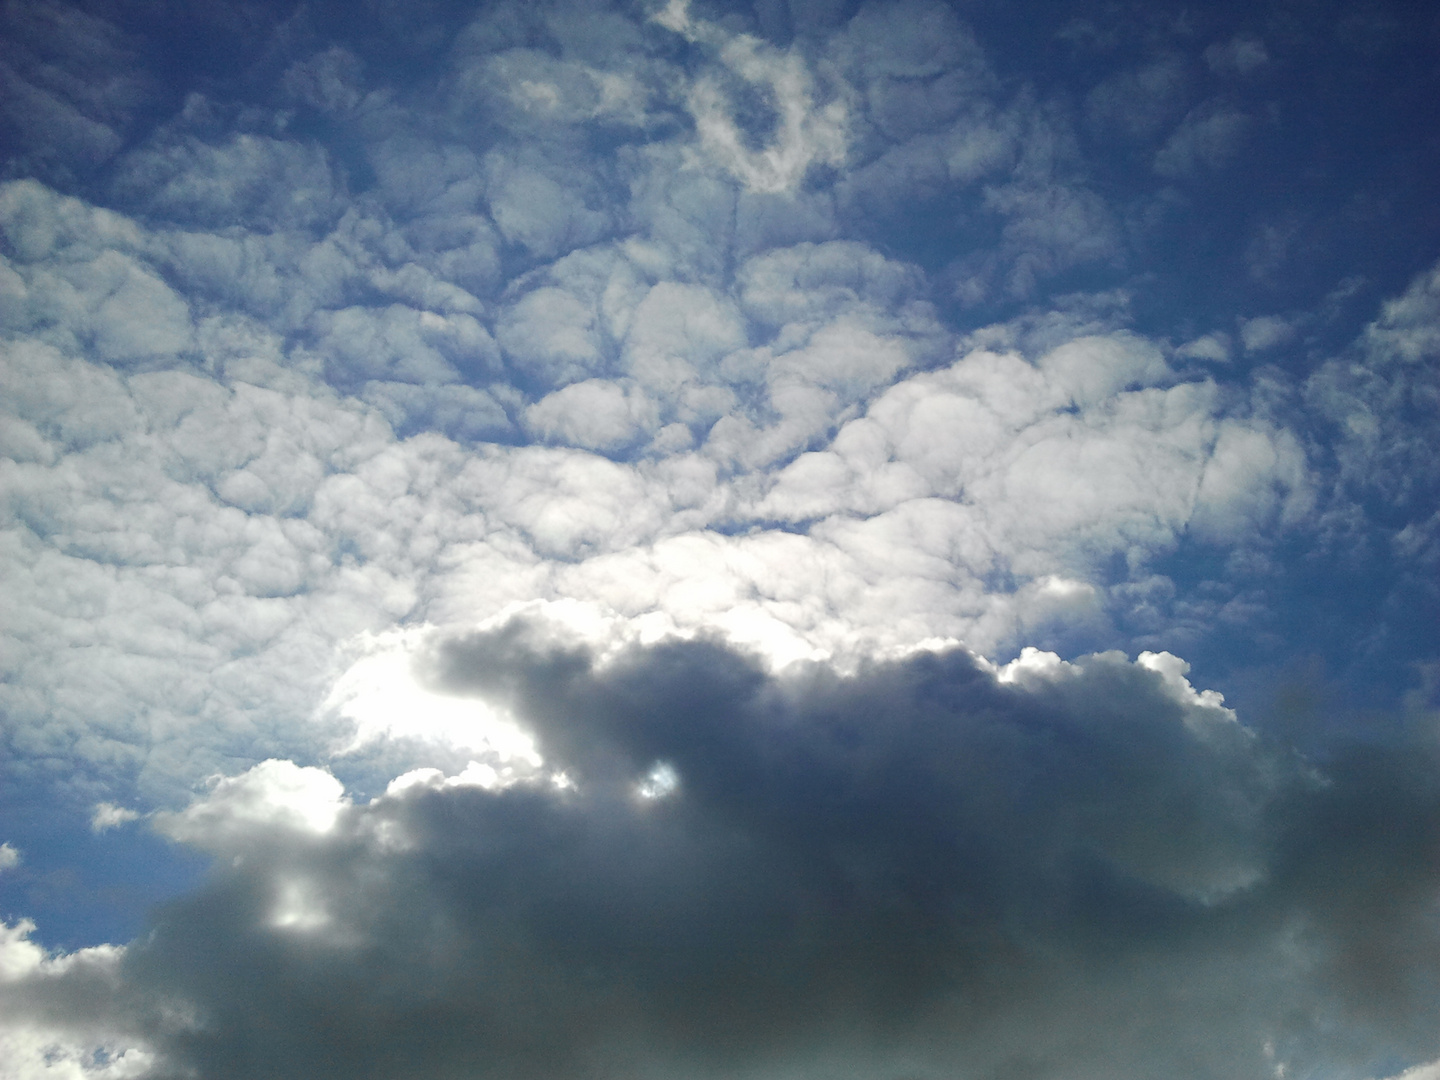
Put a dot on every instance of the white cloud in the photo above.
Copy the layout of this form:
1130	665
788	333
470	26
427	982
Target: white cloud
678	331
553	333
198	547
594	414
383	693
809	283
547	215
1214	347
1254	476
9	857
1408	328
1265	332
803	133
271	795
108	816
402	344
1071	457
1050	227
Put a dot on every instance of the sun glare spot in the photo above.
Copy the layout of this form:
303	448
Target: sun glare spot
298	909
660	782
382	696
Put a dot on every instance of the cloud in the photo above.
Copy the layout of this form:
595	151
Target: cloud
527	494
1408	328
327	81
1265	332
849	482
1215	347
62	1016
1377	396
264	181
1136	104
109	816
547	215
1008	441
595	414
932	862
1241	55
1049	228
275	795
72	89
801	133
1207	140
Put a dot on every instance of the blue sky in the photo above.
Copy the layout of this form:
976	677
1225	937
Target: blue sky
734	540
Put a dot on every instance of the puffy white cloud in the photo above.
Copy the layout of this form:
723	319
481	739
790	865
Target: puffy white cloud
547	215
109	816
272	795
76	280
229	527
679	329
1075	457
553	333
529	89
1214	347
402	344
595	414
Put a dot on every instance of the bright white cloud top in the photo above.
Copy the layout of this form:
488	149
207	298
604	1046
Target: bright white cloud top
652	541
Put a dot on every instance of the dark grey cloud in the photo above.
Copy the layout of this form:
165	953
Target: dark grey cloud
925	868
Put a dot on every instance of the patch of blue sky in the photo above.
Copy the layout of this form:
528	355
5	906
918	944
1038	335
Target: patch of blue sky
88	878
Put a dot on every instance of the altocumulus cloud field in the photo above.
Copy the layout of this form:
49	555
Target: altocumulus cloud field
770	541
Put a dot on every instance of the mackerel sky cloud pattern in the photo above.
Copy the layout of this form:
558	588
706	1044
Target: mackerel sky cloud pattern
796	539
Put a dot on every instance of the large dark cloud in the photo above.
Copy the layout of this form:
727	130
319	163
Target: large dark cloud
924	868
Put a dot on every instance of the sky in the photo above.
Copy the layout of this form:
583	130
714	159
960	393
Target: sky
777	540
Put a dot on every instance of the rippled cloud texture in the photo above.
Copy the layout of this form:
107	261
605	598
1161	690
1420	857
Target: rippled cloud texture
584	540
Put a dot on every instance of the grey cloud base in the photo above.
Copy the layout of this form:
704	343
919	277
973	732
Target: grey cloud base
928	868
